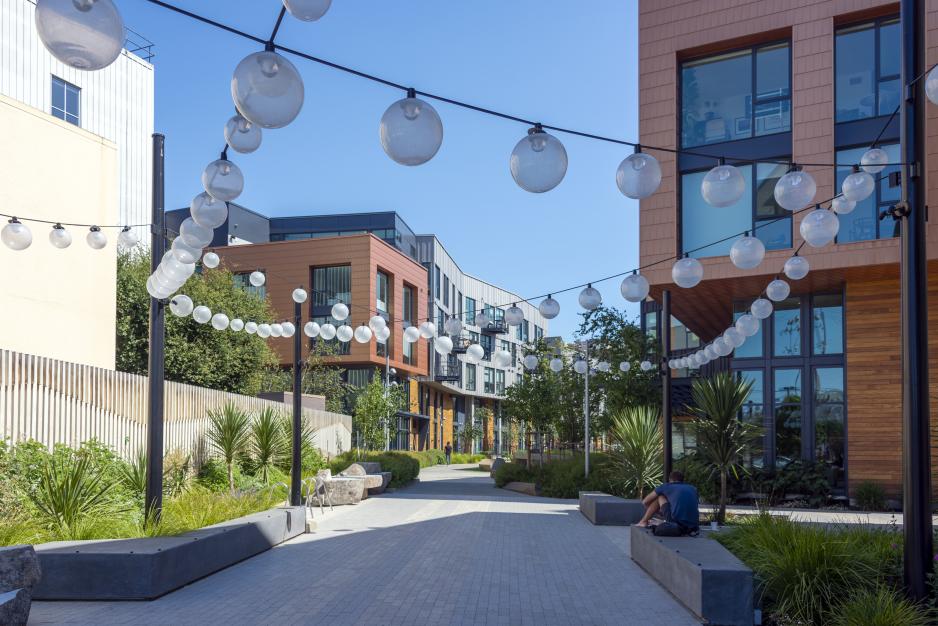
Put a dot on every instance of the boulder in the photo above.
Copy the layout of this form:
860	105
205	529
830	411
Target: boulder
346	489
355	469
529	489
485	465
19	573
495	465
371	467
375	489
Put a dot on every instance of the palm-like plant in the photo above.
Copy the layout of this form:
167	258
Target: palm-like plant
134	472
721	436
229	433
638	448
70	493
307	435
267	442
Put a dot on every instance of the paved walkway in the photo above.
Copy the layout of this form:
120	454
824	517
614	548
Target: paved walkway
451	549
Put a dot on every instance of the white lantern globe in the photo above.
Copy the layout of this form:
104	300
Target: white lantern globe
646	366
363	334
501	358
796	267
530	362
411	334
710	353
624	366
723	186
185	253
382	336
210	260
733	337
777	290
452	326
747	252
538	162
482	319
311	329
307	10
931	85
603	366
858	186
276	329
590	298
207	211
201	314
223	180
444	345
874	160
514	315
475	353
339	311
428	330
819	227
220	321
181	305
127	239
241	135
795	190
377	322
96	238
721	346
548	308
267	89
327	331
299	295
263	331
841	206
638	175
747	324
195	235
59	237
84	34
344	333
257	278
411	131
237	325
687	272
250	327
288	329
16	235
555	365
634	287
580	366
761	308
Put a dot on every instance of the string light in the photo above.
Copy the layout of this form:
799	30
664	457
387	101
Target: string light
539	161
127	239
722	186
84	34
16	235
858	185
590	298
267	89
796	267
635	287
311	330
207	211
443	345
241	135
819	227
223	180
307	10
59	237
687	272
548	308
747	252
411	131
795	190
638	175
96	238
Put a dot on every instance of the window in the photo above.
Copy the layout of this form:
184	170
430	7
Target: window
787	396
787	323
738	95
242	281
473	336
458	304
487	344
756	211
521	330
66	101
470	377
753	412
408	314
489	383
382	305
338	347
500	382
651	324
470	310
440	319
866	70
445	290
827	324
437	275
331	285
538	333
681	337
829	420
359	377
753	346
863	222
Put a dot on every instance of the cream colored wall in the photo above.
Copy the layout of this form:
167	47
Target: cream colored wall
57	303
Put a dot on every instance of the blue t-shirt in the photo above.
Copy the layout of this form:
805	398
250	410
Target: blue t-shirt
683	500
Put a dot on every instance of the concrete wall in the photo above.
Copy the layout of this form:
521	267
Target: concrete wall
58	303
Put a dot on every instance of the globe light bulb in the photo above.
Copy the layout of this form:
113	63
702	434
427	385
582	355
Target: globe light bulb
96	238
156	290
733	337
874	160
539	161
819	227
84	34
747	252
263	331
530	362
634	287
428	330
207	211
411	334
311	330
411	131
761	308
344	333
699	359
747	324
624	366
276	330
645	366
181	305
220	321
250	327
59	237
796	267
482	319
288	329
237	325
339	311
16	235
638	175
382	336
223	180
777	290
842	206
377	322
299	295
501	358
452	326
172	267
267	89
514	315
603	366
475	353
363	334
444	345
257	278
722	347
723	186
210	260
241	135
931	85
710	353
548	308
858	186
687	272
195	235
327	331
795	190
555	365
201	314
590	298
580	366
127	239
307	10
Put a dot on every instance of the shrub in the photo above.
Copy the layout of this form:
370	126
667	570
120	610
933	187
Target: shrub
229	435
880	607
404	466
637	455
134	473
463	458
267	443
697	473
513	472
806	478
199	507
565	478
870	496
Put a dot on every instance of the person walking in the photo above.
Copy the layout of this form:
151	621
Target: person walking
448	450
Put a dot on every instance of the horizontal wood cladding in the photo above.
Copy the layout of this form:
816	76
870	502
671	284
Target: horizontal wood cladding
289	264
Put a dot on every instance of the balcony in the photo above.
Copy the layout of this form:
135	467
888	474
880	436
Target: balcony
448	371
497	327
460	345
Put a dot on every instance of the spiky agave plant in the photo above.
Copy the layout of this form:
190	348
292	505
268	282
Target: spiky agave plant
306	439
133	473
638	448
71	493
267	442
229	434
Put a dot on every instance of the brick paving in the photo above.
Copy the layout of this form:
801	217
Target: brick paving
450	549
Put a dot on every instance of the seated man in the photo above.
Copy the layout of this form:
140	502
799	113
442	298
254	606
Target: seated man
676	501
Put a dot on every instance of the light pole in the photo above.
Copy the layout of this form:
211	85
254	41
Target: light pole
296	465
665	330
586	413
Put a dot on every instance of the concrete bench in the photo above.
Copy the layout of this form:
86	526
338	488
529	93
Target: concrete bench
376	481
703	575
603	509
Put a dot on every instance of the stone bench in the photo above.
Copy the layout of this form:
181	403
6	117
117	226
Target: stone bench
346	489
603	509
376	481
703	575
19	573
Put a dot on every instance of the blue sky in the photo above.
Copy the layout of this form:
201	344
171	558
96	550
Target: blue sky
569	64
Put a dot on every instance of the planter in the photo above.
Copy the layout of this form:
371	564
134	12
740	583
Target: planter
529	489
149	567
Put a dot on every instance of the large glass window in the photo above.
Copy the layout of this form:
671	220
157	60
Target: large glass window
827	324
66	101
445	290
382	305
332	285
736	95
242	281
436	275
866	74
753	412
786	320
408	307
487	344
753	346
470	317
863	222
489	382
651	324
500	382
787	397
522	331
829	420
470	377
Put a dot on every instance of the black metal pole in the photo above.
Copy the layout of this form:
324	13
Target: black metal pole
296	467
916	463
153	499
664	328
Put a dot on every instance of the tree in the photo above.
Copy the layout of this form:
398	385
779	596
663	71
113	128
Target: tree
267	442
229	433
373	405
721	436
638	448
469	433
319	377
195	353
534	399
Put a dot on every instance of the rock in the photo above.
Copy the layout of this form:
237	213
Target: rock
485	464
371	467
346	490
14	607
495	465
355	469
19	573
529	489
324	473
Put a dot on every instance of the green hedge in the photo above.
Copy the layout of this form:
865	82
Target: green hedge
462	458
404	466
561	479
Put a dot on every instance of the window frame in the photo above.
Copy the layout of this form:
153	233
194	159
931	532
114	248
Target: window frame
876	24
63	113
879	204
